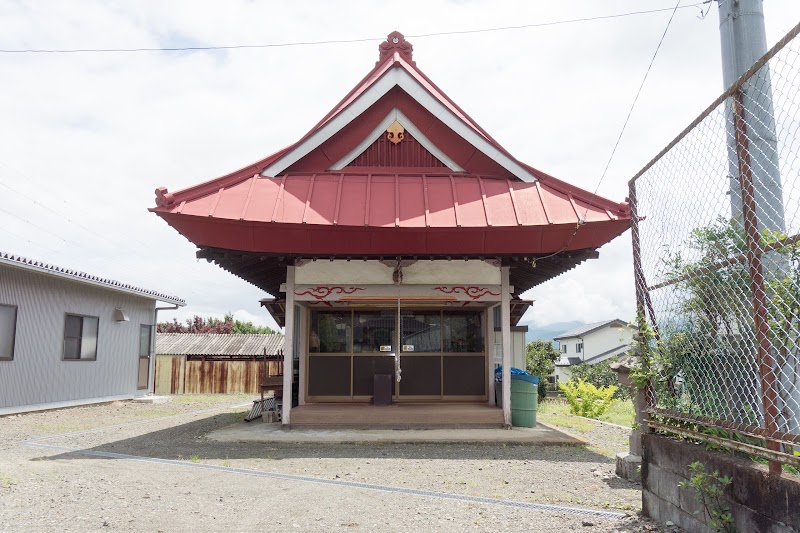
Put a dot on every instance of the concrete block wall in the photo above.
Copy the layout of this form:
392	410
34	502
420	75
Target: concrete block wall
759	502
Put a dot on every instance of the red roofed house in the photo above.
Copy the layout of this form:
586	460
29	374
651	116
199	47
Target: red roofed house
393	228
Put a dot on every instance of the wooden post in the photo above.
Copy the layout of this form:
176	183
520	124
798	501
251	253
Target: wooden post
288	348
490	352
505	312
302	350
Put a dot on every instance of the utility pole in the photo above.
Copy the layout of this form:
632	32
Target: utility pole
744	41
753	152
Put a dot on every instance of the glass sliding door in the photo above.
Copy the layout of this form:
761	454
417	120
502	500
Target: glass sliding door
329	358
464	365
420	355
374	349
441	354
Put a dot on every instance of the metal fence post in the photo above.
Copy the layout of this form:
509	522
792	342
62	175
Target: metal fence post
644	398
765	362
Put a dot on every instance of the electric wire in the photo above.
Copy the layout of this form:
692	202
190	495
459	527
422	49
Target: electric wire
580	222
125	268
342	41
338	41
115	242
66	217
636	98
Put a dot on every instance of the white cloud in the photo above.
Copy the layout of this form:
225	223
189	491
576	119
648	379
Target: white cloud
91	135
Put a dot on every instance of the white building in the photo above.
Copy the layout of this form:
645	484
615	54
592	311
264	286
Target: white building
68	338
592	344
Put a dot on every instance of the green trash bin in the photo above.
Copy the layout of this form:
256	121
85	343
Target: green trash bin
524	400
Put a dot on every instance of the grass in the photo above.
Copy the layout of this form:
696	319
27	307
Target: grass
576	423
8	481
621	412
194	458
557	412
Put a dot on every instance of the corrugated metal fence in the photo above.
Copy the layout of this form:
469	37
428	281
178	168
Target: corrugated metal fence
205	363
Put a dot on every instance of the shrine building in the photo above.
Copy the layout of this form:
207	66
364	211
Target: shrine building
396	237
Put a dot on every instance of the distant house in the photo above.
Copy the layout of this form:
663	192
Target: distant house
214	363
591	344
69	338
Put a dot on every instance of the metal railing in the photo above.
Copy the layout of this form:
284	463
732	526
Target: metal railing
716	243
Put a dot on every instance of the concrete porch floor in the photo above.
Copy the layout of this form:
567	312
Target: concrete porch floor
416	423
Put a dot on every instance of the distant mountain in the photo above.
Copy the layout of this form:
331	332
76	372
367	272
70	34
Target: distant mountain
549	331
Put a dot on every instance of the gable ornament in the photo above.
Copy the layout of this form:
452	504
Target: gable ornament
395	132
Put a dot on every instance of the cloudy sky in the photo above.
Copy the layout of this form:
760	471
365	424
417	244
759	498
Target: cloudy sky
87	137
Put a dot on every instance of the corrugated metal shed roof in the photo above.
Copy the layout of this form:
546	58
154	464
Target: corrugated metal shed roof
19	261
218	344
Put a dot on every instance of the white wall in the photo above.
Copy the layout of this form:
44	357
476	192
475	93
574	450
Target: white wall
605	339
37	374
517	349
374	272
597	342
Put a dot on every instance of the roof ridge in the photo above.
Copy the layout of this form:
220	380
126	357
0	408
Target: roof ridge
166	199
78	275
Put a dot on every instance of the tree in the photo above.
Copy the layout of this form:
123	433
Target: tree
198	324
540	358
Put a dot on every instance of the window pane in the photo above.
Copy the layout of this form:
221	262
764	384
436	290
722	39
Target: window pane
71	348
421	331
8	323
463	332
144	341
144	369
89	338
374	331
330	332
72	326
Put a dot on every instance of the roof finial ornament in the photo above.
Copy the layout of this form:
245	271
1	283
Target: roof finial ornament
395	42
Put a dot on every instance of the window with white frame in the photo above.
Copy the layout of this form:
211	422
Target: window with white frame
563	348
80	338
8	331
579	348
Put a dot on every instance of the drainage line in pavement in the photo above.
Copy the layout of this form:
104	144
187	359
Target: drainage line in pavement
335	482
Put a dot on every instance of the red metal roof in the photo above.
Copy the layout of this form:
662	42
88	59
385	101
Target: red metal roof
384	209
339	213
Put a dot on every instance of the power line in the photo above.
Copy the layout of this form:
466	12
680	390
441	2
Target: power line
636	98
115	242
30	241
65	217
336	41
579	225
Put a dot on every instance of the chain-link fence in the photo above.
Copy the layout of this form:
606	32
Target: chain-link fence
716	239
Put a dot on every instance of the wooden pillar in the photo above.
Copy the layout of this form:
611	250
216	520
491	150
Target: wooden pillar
505	326
288	348
302	351
490	352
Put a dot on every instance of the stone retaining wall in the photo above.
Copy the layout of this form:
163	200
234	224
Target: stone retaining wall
759	502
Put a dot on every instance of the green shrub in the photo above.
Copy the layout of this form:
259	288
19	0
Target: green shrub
600	375
585	399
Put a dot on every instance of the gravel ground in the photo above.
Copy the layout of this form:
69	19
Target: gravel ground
59	489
